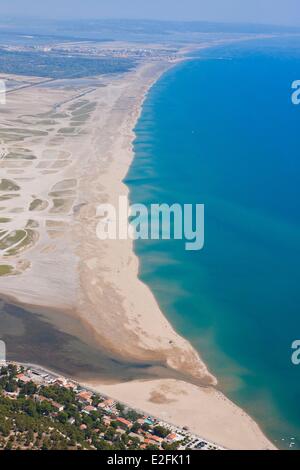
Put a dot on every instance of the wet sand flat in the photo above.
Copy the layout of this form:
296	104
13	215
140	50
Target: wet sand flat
59	265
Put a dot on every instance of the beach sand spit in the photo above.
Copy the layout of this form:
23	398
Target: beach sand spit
71	152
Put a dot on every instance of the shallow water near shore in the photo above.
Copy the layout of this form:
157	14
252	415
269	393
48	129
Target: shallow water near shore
221	130
30	337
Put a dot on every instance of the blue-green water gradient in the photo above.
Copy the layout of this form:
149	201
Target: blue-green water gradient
221	130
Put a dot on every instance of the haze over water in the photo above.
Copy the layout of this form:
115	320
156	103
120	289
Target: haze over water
221	130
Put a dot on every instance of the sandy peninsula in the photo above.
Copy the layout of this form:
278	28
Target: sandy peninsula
65	149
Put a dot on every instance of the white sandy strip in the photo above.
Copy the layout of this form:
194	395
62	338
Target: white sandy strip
205	410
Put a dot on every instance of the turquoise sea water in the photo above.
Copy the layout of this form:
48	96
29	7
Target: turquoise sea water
221	130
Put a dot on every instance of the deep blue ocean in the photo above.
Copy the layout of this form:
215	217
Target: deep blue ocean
221	130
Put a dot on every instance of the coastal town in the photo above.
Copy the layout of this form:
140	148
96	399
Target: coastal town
42	410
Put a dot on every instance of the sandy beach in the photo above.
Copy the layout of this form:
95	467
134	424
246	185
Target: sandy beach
204	410
65	150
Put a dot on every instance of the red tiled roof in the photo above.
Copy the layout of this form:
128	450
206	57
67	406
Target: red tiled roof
109	402
124	421
70	385
171	436
23	378
89	408
85	394
152	437
41	398
56	405
156	438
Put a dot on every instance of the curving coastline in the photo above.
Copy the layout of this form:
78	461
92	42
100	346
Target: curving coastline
200	406
96	282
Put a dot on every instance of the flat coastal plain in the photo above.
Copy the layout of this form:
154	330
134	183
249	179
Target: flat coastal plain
66	147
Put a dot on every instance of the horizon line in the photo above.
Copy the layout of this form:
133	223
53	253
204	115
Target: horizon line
150	20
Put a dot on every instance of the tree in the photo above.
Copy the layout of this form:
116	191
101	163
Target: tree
45	408
30	408
120	407
132	415
172	446
28	388
151	447
62	417
11	387
161	431
30	437
119	444
5	426
95	401
135	443
4	370
125	438
46	444
12	370
102	445
135	427
110	434
9	445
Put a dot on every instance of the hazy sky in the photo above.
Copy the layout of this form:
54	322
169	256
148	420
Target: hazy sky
254	11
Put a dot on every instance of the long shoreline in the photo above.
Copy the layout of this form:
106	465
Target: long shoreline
104	292
210	397
149	336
